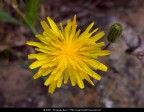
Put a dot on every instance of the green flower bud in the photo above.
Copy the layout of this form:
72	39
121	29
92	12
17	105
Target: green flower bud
114	32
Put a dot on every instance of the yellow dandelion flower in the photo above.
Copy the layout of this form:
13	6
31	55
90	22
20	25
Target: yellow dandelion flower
66	54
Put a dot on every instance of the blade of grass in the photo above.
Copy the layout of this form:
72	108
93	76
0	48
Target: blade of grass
31	13
6	17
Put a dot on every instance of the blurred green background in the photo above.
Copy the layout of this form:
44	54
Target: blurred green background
121	86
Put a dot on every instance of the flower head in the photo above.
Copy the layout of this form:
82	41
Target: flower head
66	53
115	31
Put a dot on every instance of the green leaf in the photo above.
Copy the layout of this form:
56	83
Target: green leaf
4	16
32	7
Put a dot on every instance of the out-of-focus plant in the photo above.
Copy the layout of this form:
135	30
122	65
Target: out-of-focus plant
29	16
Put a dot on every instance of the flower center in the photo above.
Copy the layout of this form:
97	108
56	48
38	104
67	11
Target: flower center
68	50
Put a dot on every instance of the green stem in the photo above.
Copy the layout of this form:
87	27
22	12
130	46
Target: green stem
107	46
